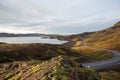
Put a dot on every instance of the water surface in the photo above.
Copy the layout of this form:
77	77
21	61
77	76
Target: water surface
20	40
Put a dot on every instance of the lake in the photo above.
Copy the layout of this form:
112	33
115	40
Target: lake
20	40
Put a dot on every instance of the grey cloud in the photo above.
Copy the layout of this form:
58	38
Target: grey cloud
50	15
17	11
2	7
10	21
30	24
80	28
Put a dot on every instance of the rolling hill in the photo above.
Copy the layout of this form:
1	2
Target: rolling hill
108	38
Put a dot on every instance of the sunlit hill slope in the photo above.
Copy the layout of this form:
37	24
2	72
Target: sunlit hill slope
108	38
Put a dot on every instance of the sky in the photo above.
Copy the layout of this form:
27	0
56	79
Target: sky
57	16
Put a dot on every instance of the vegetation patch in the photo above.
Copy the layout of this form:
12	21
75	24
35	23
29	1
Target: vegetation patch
68	69
111	75
94	53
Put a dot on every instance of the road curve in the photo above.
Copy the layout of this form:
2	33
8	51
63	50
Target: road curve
105	64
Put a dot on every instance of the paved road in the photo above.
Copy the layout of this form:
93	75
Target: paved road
112	62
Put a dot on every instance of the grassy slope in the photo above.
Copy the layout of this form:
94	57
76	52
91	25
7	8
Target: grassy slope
18	52
67	69
58	68
111	75
95	54
108	38
43	62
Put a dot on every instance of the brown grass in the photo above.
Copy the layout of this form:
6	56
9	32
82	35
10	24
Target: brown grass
95	53
18	52
108	38
111	75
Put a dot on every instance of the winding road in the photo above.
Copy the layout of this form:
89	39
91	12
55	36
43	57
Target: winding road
105	64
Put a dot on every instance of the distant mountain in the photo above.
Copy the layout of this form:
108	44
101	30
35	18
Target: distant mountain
82	35
108	38
20	35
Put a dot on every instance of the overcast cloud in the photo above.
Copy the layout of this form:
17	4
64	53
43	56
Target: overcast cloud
57	16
